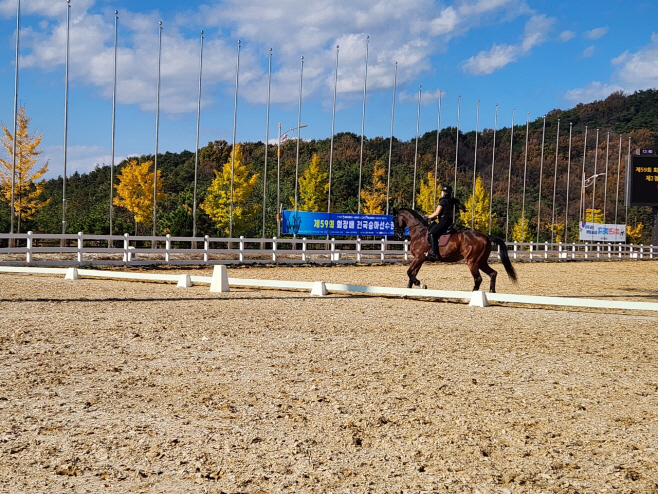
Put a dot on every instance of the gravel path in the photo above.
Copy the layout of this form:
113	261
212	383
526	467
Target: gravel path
119	386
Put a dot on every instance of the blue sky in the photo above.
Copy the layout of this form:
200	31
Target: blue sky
533	56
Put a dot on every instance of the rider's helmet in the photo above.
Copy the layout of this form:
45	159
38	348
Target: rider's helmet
447	189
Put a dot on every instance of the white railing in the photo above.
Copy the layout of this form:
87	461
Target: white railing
40	249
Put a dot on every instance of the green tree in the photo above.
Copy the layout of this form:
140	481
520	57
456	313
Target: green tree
217	204
27	193
374	195
313	187
482	202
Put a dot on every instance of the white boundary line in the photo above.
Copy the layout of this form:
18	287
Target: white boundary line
481	299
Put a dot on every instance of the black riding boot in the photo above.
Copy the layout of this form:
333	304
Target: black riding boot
433	254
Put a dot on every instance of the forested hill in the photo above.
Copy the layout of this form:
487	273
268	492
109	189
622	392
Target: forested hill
634	116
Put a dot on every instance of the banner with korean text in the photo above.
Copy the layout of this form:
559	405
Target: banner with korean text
313	223
598	232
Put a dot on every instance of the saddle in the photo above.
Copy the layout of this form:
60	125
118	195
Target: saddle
443	239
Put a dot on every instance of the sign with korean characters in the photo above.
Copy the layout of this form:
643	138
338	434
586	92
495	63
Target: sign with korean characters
644	181
598	232
312	223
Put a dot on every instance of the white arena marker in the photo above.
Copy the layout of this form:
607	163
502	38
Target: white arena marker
479	299
219	281
72	274
319	289
185	281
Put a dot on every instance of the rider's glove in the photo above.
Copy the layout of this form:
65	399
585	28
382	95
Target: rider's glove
426	218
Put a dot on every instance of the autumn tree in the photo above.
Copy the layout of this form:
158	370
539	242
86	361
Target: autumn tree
27	191
374	195
479	221
521	230
135	190
634	235
217	204
593	216
425	200
313	187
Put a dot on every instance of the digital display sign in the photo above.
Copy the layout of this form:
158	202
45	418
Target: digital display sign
643	178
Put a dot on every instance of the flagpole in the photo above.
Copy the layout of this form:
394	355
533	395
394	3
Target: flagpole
363	123
541	174
493	162
299	123
413	195
618	176
557	145
596	158
628	164
267	136
509	176
157	134
459	104
13	166
198	128
525	172
114	113
582	188
278	183
333	121
605	184
475	163
66	113
566	207
390	145
436	158
235	121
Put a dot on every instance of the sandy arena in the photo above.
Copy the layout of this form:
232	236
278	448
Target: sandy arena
113	386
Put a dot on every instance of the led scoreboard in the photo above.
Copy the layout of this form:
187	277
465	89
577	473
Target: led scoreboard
643	178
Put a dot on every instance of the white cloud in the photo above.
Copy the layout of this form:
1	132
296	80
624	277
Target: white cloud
592	92
81	159
596	33
588	52
486	62
620	59
565	36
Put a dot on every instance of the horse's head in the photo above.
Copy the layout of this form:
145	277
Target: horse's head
399	223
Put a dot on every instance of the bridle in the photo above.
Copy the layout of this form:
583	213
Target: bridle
399	230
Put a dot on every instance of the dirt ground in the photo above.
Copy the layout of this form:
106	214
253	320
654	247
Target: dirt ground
113	386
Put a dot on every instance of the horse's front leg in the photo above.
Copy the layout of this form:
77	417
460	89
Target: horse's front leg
412	272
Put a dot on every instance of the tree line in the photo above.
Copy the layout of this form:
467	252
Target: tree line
38	203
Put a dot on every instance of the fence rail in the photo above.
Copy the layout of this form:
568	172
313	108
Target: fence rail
39	249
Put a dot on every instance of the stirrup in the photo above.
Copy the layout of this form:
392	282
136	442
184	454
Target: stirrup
431	256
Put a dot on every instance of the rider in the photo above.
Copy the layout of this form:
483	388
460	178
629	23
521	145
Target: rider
445	212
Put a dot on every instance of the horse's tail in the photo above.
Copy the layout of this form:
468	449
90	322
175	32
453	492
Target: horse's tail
504	257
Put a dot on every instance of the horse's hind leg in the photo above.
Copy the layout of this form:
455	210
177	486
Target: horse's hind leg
475	271
492	274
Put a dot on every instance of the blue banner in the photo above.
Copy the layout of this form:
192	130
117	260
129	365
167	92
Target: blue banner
312	223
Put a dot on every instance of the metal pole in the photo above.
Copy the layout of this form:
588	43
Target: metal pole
475	163
363	123
541	174
566	207
390	146
114	113
278	183
267	136
582	187
596	158
459	104
605	186
196	148
618	176
235	121
413	195
13	166
509	176
157	134
66	112
436	158
333	121
628	196
493	161
557	145
525	171
299	122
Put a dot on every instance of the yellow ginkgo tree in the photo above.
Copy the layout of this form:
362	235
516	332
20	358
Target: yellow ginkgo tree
425	200
313	187
480	220
135	190
374	195
217	203
521	230
27	191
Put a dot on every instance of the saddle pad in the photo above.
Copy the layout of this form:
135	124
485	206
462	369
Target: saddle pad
443	239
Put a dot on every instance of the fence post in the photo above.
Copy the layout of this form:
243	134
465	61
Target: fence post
546	249
620	251
598	251
559	251
80	245
516	245
241	249
383	254
335	256
126	252
304	249
167	248
406	249
573	250
586	250
274	240
28	254
358	249
641	251
206	247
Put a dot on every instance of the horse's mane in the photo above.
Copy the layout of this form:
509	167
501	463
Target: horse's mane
414	214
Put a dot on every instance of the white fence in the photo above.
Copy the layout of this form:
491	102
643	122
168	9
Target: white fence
37	249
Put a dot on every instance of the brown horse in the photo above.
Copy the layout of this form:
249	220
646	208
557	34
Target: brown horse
470	245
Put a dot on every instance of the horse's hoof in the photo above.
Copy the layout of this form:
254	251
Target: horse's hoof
424	287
